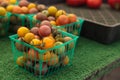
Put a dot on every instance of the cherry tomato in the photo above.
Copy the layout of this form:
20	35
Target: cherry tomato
115	4
76	2
94	3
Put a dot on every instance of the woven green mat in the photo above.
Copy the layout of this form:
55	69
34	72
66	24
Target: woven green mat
89	56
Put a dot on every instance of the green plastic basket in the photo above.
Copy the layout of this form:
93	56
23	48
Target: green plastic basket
17	3
21	19
73	28
43	65
18	20
32	21
4	25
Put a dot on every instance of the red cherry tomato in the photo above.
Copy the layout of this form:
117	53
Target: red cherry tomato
76	2
114	4
94	3
111	3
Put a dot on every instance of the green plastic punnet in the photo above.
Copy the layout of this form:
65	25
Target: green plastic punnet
73	28
4	24
32	21
41	62
21	20
17	3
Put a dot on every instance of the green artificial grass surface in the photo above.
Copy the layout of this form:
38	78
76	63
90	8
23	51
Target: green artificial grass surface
89	56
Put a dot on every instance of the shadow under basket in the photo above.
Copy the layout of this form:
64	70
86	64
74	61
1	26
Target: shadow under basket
43	62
